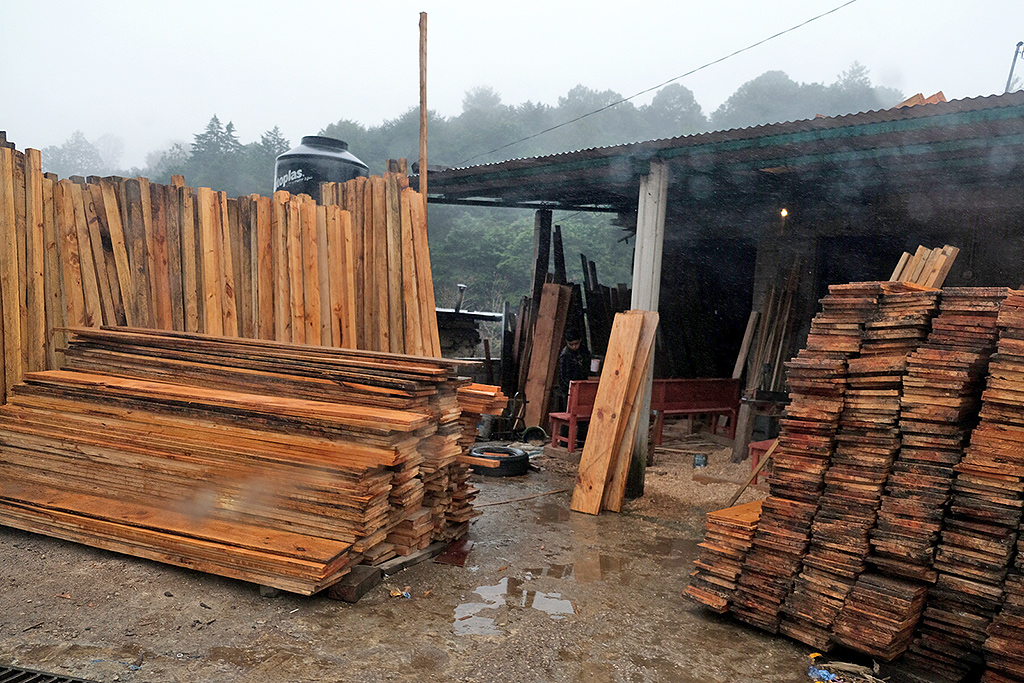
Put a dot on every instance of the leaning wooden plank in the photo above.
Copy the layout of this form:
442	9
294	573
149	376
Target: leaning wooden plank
190	270
264	267
237	231
608	419
428	310
615	487
98	257
310	272
173	254
53	281
228	285
35	320
279	260
353	195
135	231
90	280
949	254
343	292
920	265
109	283
72	271
913	264
207	211
293	267
119	249
395	261
381	281
11	320
900	265
20	230
323	270
414	329
547	343
159	258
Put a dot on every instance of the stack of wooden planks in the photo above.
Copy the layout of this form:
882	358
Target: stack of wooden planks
865	446
817	379
1004	646
939	406
928	267
251	450
981	526
727	538
880	615
116	251
604	463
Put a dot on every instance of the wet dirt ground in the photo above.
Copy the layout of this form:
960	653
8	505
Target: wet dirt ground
545	595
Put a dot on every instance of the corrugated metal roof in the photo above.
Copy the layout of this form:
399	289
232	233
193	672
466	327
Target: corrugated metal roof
958	131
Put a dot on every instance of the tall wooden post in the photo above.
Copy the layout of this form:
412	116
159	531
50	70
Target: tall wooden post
650	239
423	110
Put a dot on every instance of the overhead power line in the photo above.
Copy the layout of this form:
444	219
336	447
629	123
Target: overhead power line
661	85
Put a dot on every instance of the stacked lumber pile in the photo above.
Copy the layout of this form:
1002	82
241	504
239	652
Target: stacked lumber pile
880	615
604	463
234	441
728	534
981	526
928	267
817	378
938	408
128	252
1004	654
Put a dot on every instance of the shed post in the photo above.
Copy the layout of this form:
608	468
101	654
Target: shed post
650	238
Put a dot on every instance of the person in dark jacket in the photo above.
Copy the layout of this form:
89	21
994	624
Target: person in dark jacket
573	363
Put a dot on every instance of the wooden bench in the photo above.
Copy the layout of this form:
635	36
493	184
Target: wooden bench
703	396
579	406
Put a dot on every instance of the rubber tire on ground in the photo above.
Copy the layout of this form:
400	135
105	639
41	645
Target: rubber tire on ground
513	462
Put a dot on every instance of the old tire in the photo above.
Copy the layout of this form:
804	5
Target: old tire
512	462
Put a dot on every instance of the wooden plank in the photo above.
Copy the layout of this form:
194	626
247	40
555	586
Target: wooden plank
175	271
939	277
149	244
95	208
348	311
72	271
748	336
264	268
90	281
279	243
191	277
226	250
608	420
425	278
294	270
353	204
324	277
414	329
212	291
20	231
337	265
35	320
310	272
159	260
53	281
98	257
119	249
381	281
241	244
618	471
548	336
11	319
900	265
135	230
541	253
395	264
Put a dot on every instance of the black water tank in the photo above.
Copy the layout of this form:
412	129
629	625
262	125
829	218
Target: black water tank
317	160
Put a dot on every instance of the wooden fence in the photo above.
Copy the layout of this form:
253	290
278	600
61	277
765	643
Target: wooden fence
352	273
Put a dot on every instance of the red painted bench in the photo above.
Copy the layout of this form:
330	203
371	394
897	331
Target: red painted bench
701	396
579	406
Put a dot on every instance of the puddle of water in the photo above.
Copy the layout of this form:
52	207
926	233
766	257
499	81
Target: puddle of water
480	618
673	552
590	567
551	513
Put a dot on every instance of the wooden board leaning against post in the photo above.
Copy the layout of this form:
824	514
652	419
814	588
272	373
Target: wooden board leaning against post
554	304
612	406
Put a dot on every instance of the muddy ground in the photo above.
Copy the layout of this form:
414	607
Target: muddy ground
546	595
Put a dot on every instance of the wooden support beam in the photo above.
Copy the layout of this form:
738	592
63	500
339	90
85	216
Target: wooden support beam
650	239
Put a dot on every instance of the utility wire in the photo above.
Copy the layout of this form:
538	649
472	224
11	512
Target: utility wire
661	85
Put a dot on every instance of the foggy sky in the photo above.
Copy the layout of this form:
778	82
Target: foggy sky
152	73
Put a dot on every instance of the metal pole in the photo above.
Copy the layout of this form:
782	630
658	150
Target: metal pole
1016	54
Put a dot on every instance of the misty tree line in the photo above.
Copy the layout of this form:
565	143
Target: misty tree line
490	249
